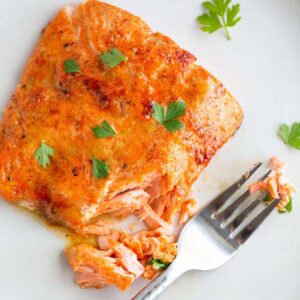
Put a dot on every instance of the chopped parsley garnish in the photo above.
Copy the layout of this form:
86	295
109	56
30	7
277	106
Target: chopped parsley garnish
291	135
112	58
104	130
158	264
219	15
169	119
71	66
267	198
42	154
100	168
287	208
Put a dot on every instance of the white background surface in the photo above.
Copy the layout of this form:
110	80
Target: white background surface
261	67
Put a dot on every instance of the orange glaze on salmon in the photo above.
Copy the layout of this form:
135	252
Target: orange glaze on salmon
150	169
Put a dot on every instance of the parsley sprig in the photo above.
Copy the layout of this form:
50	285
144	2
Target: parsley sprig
100	168
42	154
288	208
158	264
291	134
104	130
169	119
112	58
219	15
71	66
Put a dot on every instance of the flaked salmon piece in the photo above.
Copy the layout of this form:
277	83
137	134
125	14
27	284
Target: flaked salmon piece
277	165
107	268
129	201
173	204
187	210
98	228
128	259
152	244
159	204
166	252
276	184
154	190
158	188
105	241
162	204
150	272
149	244
152	220
257	186
133	243
286	191
86	277
272	186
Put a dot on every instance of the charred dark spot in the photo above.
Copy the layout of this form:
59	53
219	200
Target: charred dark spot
75	171
124	166
61	31
42	192
184	58
148	107
23	136
24	86
66	45
203	157
9	178
94	86
65	92
53	210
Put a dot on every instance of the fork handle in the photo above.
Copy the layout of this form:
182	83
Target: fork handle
159	284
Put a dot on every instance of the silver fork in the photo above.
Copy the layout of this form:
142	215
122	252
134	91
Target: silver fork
205	243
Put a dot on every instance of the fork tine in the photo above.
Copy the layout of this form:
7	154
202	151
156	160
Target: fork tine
227	212
236	222
222	198
255	223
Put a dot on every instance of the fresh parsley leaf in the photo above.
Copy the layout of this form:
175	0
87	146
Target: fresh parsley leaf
210	22
219	15
42	154
267	198
232	18
284	132
170	118
104	130
176	110
100	168
291	135
287	208
158	113
71	66
173	125
112	58
158	264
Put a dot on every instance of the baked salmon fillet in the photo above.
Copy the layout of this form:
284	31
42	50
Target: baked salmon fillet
82	137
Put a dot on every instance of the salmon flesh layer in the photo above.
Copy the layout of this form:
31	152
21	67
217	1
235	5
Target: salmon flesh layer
151	169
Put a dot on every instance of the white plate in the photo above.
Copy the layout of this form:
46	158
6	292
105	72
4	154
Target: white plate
261	67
